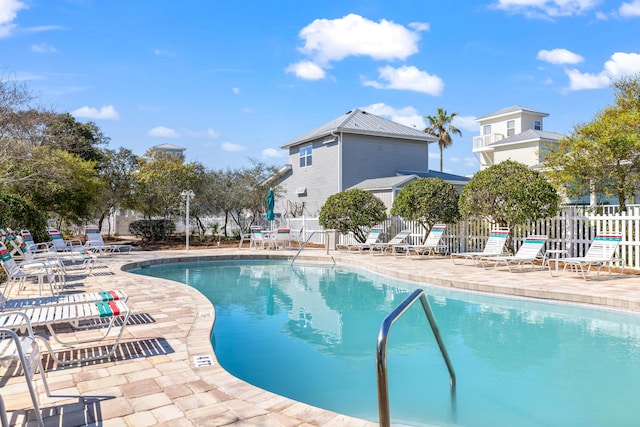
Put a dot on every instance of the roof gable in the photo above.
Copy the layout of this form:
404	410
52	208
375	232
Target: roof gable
359	122
512	110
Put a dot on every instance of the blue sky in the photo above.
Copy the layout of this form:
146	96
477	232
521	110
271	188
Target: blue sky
233	80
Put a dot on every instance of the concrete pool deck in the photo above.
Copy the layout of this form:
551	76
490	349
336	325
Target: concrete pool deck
155	377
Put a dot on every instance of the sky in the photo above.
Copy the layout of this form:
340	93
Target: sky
232	81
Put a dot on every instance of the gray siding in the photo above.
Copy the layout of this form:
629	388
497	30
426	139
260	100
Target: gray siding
320	179
373	157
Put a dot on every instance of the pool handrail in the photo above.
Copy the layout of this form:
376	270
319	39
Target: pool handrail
302	246
381	353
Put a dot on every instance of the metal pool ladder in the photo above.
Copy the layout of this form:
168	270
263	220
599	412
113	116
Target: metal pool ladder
381	354
303	245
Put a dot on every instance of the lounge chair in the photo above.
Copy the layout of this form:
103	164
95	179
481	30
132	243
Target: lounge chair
79	316
95	242
19	273
384	247
62	245
66	299
431	245
82	261
601	252
493	247
529	251
21	347
372	239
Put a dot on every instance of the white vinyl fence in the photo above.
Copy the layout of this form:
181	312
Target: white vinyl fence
573	230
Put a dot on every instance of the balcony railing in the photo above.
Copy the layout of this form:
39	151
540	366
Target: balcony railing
480	143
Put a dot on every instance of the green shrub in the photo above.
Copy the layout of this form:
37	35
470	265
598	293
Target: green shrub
152	229
353	211
17	214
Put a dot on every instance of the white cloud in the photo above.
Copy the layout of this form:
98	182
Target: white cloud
407	116
272	153
466	123
8	12
164	132
211	133
333	40
547	8
231	147
559	56
236	90
306	70
407	78
108	112
43	48
630	9
620	65
330	40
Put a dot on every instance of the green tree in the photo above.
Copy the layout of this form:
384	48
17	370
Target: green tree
61	184
117	172
160	179
509	194
352	211
427	201
83	139
603	155
441	126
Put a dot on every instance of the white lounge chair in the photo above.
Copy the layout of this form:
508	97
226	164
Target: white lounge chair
62	245
527	254
21	347
80	260
19	273
601	252
431	245
384	247
493	247
96	242
66	299
80	316
372	239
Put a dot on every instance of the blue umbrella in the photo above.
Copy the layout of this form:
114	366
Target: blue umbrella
270	205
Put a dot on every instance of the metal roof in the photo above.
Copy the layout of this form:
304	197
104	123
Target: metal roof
384	183
449	177
511	110
360	122
168	147
529	135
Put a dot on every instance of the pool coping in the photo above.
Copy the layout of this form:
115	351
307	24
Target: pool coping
209	395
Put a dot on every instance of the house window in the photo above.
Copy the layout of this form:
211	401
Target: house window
486	130
305	156
511	127
537	125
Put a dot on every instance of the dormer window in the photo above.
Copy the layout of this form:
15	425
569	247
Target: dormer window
305	156
537	124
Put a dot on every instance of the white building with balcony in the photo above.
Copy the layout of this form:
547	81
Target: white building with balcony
513	133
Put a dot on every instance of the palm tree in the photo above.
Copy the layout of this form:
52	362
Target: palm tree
440	126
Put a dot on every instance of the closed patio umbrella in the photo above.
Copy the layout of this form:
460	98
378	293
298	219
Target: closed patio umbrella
270	205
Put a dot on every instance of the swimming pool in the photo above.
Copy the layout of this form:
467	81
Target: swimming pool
309	333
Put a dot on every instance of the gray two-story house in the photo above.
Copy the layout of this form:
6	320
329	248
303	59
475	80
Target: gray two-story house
338	155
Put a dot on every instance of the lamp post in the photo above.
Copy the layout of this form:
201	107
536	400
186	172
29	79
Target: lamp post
187	195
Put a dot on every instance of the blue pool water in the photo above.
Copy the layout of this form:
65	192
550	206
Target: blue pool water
310	332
